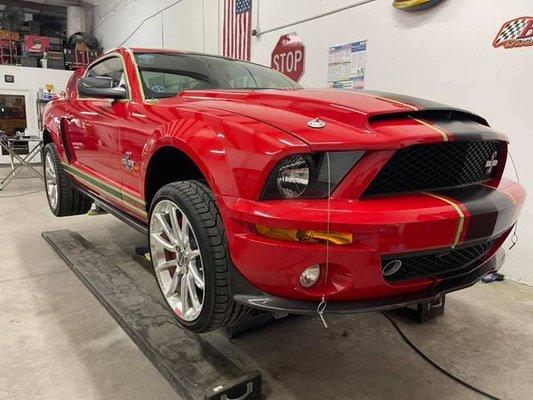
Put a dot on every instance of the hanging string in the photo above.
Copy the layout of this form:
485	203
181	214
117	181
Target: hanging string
514	238
324	304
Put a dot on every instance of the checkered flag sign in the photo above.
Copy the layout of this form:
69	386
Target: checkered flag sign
515	29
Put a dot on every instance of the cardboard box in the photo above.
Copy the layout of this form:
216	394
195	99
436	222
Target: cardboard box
9	35
28	61
8	44
56	64
56	44
55	55
81	47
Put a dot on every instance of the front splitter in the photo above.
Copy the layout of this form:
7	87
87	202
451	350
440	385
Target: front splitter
245	293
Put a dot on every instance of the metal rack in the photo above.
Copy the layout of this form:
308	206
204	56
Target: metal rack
9	53
21	156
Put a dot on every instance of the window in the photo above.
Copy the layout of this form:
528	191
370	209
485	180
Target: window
168	74
161	82
112	68
12	121
12	114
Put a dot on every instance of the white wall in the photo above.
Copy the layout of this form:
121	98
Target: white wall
444	54
185	24
28	81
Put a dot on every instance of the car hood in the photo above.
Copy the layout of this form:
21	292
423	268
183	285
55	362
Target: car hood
347	114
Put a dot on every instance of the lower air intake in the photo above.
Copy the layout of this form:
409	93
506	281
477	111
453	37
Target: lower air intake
440	263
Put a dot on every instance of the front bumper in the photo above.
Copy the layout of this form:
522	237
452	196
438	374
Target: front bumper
381	226
250	296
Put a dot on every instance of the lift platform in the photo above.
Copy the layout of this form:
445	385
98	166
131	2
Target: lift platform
191	365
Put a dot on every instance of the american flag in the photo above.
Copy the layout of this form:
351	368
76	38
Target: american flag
237	34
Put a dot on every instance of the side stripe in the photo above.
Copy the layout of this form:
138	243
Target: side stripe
133	203
460	213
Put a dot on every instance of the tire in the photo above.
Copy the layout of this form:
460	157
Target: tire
67	200
207	239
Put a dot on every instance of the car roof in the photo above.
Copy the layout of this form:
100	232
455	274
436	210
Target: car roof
139	50
187	52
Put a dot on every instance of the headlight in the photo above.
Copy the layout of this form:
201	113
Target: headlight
293	176
306	175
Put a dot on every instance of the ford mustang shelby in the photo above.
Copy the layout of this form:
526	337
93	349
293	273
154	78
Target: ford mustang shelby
258	193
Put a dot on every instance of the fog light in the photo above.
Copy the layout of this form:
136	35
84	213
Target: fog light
310	276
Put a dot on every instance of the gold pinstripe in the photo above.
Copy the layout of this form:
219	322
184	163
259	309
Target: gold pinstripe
414	108
375	96
434	127
126	201
461	224
138	199
139	78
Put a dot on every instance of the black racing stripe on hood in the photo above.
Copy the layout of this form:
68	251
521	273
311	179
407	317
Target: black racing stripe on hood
429	109
491	212
433	116
415	101
467	130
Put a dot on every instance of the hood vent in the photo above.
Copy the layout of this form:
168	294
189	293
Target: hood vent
444	114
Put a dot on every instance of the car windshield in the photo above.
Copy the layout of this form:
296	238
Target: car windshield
167	74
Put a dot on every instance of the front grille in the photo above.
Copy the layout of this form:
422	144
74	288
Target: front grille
438	264
437	166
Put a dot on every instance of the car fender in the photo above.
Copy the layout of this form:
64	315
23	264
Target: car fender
234	153
52	117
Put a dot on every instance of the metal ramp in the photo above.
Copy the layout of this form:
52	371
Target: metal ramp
195	368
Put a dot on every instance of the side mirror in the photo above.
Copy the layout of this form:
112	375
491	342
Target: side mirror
101	87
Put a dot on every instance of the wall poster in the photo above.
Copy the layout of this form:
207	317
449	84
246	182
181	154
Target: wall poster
346	66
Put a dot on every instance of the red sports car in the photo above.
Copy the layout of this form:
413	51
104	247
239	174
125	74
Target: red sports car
258	193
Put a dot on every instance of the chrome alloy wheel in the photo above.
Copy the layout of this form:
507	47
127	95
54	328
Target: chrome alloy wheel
50	176
177	260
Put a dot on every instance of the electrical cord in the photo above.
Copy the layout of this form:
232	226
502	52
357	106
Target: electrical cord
514	237
434	364
20	194
147	19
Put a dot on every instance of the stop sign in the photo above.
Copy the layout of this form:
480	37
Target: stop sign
288	57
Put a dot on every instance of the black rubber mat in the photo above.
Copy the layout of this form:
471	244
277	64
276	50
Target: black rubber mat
188	362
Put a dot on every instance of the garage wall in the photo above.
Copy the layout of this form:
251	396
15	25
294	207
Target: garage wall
28	81
178	24
444	54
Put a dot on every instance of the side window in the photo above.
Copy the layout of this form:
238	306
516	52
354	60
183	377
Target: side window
112	68
156	82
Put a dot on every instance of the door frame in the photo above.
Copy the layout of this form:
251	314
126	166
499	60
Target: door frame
31	118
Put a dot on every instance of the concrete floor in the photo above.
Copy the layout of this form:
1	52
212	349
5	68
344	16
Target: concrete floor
58	342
